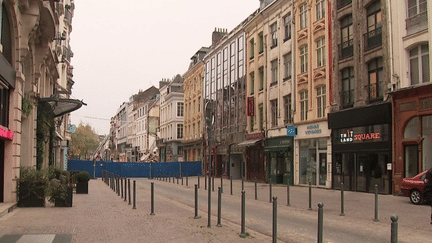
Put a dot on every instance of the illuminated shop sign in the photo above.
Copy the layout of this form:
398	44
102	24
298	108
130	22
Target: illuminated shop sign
373	133
6	134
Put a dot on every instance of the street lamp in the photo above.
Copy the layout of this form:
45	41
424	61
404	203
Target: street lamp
209	118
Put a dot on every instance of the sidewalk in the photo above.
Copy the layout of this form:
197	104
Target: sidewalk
102	216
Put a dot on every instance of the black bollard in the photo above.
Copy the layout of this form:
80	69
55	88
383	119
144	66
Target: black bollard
169	178
231	184
320	222
376	203
342	200
187	179
152	199
198	181
243	212
310	196
219	207
288	193
129	192
221	184
121	186
118	186
134	195
274	219
256	191
196	202
205	181
125	188
394	229
182	179
177	180
270	190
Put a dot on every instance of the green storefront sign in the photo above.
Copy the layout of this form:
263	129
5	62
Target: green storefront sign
280	157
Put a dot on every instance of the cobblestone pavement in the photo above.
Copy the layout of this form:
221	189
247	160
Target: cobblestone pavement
102	216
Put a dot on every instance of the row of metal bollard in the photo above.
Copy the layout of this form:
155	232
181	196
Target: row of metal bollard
394	218
121	186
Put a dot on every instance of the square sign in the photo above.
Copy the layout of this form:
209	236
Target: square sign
291	131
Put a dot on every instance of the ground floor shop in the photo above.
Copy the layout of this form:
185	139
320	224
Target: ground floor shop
280	156
313	155
361	148
412	115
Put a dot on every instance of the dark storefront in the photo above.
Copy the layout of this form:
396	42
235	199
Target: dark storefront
361	148
280	155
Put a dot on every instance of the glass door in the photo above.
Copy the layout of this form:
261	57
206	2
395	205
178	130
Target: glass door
322	165
361	169
411	160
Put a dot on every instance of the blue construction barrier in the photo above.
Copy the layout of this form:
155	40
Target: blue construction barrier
135	169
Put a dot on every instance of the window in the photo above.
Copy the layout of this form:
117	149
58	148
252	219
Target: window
287	66
194	131
274	71
179	131
273	33
304	59
346	48
194	107
252	49
274	110
373	37
252	123
320	52
199	104
303	16
261	76
287	108
376	79
348	87
417	16
343	3
261	116
321	101
419	64
180	150
287	26
180	111
252	83
320	9
303	105
261	42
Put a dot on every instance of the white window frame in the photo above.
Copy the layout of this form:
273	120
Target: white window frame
304	58
321	61
321	101
320	9
304	105
303	16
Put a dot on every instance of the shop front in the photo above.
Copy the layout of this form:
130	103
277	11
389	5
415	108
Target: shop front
280	154
313	155
412	109
254	165
361	147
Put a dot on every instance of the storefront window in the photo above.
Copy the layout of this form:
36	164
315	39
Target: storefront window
427	141
313	161
412	128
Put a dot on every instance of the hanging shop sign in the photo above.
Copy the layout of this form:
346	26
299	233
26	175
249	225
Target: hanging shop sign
250	106
6	133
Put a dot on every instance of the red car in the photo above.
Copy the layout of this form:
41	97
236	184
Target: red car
413	187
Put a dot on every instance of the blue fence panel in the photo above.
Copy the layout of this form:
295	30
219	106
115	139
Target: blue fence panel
132	169
191	168
165	168
81	165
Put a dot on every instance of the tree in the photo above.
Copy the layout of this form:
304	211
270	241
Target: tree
83	141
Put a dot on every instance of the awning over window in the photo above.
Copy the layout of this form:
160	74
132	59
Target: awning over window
248	143
61	106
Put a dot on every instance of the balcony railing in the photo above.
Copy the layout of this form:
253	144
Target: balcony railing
373	39
417	23
343	3
346	49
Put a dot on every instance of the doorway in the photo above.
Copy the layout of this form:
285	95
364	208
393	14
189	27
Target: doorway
411	160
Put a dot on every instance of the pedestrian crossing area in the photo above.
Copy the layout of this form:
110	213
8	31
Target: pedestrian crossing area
37	238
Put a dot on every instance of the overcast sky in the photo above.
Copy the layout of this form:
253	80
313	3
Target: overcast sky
121	47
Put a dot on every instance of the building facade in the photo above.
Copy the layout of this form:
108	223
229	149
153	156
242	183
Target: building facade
270	87
193	99
35	74
224	97
171	120
361	114
411	88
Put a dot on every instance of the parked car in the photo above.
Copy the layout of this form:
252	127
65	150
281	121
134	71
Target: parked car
413	187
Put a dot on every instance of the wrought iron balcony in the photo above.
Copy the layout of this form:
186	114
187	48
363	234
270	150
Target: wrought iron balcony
346	49
343	3
373	39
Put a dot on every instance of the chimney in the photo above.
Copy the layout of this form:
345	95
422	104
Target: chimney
217	35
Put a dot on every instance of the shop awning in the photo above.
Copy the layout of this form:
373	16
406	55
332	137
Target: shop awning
248	143
61	106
